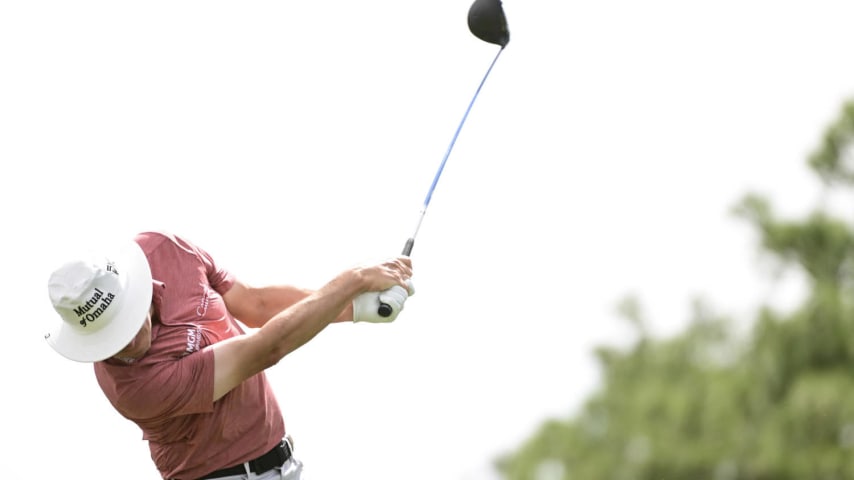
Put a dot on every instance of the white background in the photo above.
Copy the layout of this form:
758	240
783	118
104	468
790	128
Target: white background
295	139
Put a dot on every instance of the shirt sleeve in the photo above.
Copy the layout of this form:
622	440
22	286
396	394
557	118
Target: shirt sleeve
160	391
219	278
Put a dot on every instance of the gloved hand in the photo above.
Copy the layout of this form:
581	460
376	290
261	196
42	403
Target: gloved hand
366	305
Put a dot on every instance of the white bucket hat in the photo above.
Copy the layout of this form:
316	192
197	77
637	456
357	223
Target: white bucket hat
102	301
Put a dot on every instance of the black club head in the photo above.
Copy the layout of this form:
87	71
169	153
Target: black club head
488	23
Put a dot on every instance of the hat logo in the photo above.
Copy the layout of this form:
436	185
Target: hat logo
111	267
85	312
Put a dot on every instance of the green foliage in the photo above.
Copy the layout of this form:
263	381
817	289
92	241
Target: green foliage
834	159
775	404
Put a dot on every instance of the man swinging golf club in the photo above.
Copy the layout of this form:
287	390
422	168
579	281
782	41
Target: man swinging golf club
159	320
158	317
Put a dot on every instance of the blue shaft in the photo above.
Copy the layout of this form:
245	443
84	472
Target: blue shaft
457	133
407	249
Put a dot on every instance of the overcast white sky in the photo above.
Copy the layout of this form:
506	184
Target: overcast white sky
295	139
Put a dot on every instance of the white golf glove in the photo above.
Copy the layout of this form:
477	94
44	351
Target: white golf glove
367	305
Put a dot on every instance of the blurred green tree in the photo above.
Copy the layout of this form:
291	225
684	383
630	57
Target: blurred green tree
774	404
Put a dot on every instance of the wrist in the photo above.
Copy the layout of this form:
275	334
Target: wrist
346	315
359	281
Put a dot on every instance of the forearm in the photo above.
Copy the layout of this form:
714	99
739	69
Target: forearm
266	302
243	356
294	326
275	299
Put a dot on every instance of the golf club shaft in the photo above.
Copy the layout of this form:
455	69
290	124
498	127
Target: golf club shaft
385	309
407	248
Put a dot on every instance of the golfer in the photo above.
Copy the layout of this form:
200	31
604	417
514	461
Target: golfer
158	317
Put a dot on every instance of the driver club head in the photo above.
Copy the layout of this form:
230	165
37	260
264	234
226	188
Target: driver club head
487	22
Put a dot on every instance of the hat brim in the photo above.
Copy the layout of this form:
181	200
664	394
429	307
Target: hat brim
112	338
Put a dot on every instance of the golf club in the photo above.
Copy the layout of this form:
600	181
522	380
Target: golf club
486	20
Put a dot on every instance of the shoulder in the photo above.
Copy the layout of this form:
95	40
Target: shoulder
156	241
152	240
156	238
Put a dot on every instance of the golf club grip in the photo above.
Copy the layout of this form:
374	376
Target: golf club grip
384	310
407	249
